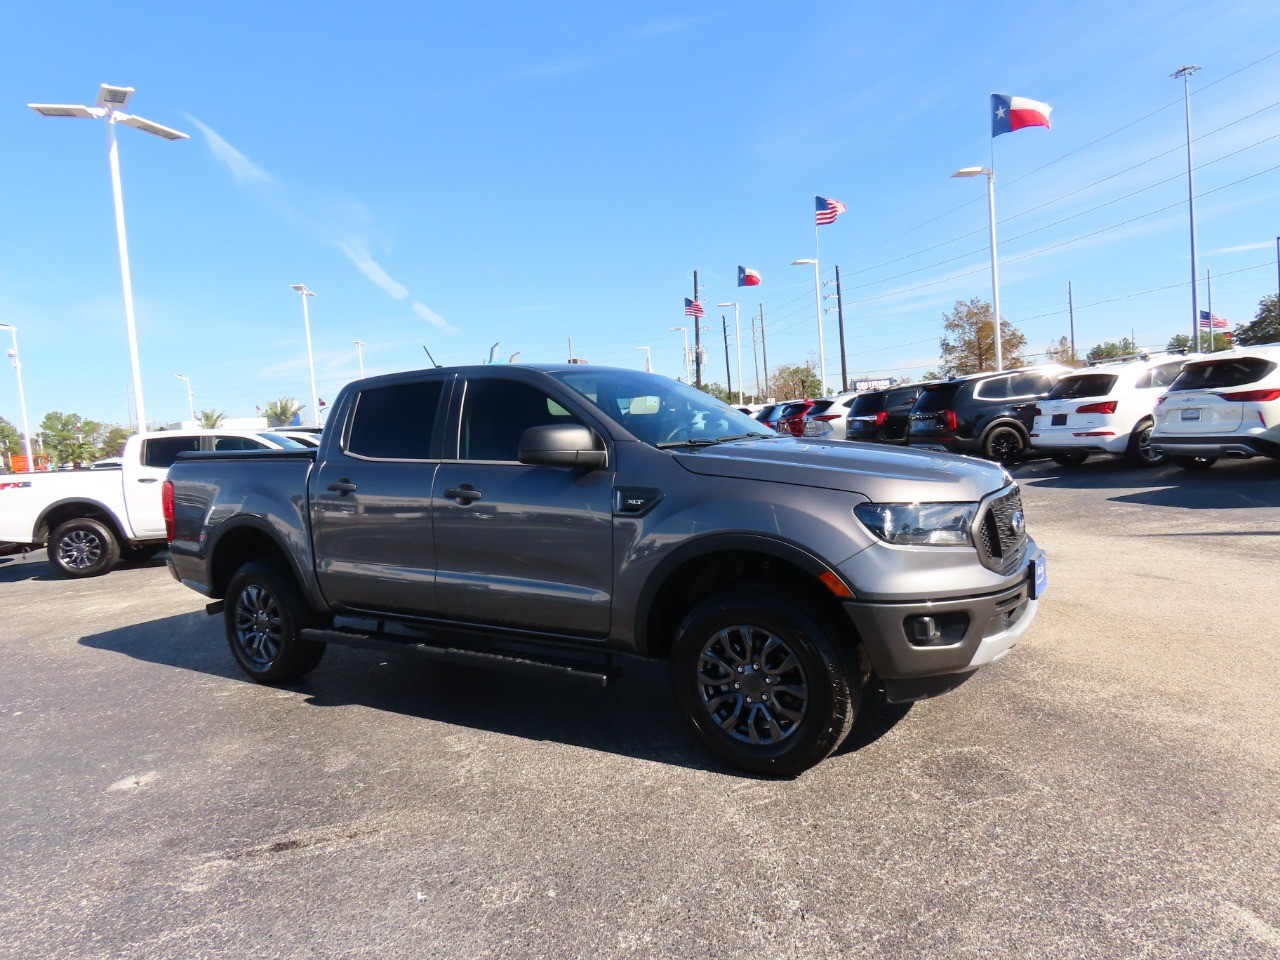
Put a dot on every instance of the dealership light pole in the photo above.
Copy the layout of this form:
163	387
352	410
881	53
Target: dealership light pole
111	102
191	402
817	293
1184	74
685	331
360	355
22	397
995	270
648	359
311	362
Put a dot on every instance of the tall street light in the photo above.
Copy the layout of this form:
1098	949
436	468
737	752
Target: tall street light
1184	74
685	331
737	341
311	362
111	102
191	397
995	270
360	355
648	359
22	397
817	295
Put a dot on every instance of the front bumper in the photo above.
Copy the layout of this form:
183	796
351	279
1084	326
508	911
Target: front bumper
971	632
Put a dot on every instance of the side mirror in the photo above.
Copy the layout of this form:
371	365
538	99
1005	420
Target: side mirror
562	445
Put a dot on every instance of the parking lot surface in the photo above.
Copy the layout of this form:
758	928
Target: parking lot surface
1110	789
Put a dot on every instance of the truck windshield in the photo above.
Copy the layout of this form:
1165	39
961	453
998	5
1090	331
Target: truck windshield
657	410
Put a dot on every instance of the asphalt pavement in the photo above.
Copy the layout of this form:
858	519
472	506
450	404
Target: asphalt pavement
1110	789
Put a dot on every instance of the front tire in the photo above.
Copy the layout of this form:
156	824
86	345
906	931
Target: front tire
1004	444
762	682
1140	452
83	548
264	617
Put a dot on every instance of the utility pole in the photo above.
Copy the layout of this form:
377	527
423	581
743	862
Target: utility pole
844	366
755	357
728	375
1208	292
1184	74
697	339
764	346
1071	313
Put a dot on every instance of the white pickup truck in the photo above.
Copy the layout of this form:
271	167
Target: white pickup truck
91	518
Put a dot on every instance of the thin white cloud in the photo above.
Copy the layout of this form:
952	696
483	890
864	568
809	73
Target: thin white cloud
242	168
1243	248
429	315
359	255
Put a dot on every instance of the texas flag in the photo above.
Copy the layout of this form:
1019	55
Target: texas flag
748	277
1014	113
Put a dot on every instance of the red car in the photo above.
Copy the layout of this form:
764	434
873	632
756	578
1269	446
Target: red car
791	417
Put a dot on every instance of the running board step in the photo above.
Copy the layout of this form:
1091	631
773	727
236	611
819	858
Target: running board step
381	640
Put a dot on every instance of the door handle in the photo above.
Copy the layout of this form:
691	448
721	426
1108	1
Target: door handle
148	479
342	487
464	494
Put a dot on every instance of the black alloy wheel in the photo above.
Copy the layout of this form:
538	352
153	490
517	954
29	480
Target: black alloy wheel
264	617
1004	444
762	682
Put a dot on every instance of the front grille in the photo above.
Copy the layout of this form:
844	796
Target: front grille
999	544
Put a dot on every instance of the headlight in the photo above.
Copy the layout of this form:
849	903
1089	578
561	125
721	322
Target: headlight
919	524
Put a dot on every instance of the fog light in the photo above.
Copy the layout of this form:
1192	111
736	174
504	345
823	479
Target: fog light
922	630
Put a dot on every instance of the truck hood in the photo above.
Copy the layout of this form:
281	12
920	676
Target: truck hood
881	474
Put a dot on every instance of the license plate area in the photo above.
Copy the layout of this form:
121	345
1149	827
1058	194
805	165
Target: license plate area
1039	577
1191	413
1059	420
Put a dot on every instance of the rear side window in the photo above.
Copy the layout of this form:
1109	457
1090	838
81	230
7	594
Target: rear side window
237	443
1029	385
903	397
1160	376
997	388
820	406
867	403
1090	385
1232	372
395	422
936	398
163	451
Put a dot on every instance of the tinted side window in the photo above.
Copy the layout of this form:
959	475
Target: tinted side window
936	398
867	404
237	443
997	388
395	422
1029	385
163	451
1164	374
1085	385
495	415
897	399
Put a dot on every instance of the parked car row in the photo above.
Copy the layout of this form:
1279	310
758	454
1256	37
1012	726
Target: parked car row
1148	408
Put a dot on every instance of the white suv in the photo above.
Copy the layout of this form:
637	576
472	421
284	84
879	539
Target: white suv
1223	405
1106	407
828	418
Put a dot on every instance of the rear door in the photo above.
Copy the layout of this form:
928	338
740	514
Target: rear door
371	499
523	546
142	482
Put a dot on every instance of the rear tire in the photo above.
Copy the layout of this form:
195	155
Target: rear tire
762	683
1004	444
1069	459
83	548
1193	463
264	616
1140	452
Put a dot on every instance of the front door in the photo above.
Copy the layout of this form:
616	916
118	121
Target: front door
516	545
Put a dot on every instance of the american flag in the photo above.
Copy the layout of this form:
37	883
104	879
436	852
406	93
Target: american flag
1212	321
828	209
692	308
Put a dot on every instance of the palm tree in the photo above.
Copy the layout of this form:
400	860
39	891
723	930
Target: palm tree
211	419
280	413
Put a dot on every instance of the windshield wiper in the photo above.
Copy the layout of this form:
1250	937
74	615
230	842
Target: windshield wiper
711	441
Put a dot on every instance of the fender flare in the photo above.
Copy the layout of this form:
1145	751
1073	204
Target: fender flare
777	547
305	580
95	506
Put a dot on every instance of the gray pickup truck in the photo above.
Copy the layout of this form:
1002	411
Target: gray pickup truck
551	518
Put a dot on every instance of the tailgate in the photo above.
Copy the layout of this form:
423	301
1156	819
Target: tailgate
1199	415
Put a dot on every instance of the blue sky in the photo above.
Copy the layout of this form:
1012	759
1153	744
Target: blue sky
526	175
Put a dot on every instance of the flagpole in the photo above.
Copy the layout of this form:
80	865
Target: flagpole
817	297
1208	292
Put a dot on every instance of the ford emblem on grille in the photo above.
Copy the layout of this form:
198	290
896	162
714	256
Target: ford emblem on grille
1018	522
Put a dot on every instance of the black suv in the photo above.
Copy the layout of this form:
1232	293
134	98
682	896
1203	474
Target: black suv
882	416
985	413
